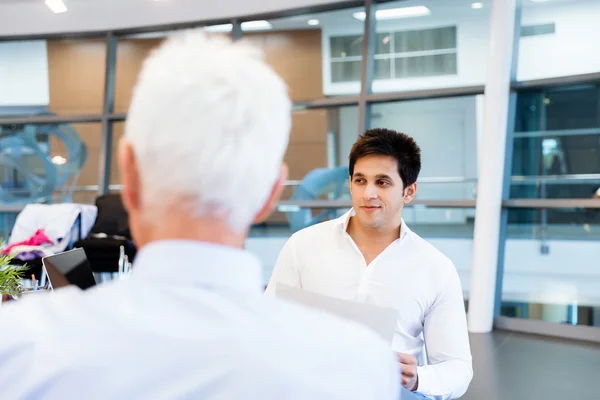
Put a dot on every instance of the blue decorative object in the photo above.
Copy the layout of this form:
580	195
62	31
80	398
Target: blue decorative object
319	182
28	174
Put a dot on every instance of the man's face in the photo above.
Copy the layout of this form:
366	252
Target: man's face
378	195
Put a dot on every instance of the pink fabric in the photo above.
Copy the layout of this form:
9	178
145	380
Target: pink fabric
38	238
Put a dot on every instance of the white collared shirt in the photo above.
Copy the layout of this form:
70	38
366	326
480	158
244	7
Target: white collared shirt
410	276
191	323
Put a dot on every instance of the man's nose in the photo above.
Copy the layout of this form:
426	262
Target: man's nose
371	192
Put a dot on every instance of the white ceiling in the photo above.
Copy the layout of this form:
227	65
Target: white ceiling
32	17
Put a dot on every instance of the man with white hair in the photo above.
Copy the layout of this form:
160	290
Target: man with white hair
201	160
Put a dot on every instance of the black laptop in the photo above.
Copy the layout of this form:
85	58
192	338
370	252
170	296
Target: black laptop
68	268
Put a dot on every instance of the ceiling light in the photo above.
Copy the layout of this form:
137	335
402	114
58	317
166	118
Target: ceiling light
59	160
313	22
57	6
396	13
246	26
477	5
219	28
256	25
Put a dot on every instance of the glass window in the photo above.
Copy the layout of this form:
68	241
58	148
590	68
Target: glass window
24	78
307	53
383	68
91	136
7	221
421	66
44	163
316	139
346	46
52	77
383	43
448	43
118	133
556	150
317	158
550	268
417	53
446	130
425	40
346	71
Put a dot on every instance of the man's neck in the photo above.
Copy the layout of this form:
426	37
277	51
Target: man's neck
176	226
373	236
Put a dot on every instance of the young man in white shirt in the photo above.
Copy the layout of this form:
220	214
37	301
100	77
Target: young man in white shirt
369	255
200	161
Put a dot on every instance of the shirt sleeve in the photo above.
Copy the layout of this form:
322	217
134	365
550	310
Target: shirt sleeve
286	268
447	343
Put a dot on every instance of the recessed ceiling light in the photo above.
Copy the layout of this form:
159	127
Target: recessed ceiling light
246	26
396	13
219	28
256	25
57	6
477	5
313	22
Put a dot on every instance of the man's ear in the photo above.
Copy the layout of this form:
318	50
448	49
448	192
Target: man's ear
409	193
131	192
274	197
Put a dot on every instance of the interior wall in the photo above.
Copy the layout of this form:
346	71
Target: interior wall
76	85
297	57
76	76
571	50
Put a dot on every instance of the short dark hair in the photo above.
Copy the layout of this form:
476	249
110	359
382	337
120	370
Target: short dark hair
386	142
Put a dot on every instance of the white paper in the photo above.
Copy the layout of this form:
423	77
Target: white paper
379	319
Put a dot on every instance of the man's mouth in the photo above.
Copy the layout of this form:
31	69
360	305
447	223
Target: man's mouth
370	208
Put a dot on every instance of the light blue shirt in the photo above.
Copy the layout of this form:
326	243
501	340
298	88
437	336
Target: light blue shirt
190	323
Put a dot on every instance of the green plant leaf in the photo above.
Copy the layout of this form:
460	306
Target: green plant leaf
10	276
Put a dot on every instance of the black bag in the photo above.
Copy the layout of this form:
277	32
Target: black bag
109	233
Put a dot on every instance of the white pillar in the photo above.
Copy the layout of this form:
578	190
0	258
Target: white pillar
491	168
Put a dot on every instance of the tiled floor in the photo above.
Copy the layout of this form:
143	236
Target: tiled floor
514	366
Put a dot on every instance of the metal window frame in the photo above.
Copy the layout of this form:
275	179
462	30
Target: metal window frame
517	324
104	167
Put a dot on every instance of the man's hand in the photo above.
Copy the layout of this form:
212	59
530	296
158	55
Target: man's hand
408	363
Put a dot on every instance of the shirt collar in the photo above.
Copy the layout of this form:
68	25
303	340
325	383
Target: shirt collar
344	220
198	264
